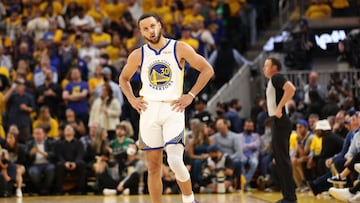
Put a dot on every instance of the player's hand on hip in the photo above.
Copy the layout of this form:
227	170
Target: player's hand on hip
180	104
278	113
139	104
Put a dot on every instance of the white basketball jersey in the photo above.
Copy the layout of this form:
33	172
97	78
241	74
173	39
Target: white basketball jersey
161	74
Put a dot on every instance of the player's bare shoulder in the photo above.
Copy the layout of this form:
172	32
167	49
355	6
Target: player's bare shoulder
135	56
184	50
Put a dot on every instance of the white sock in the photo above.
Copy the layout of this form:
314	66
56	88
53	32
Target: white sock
188	198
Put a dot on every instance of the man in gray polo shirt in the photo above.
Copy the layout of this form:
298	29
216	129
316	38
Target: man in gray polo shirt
229	143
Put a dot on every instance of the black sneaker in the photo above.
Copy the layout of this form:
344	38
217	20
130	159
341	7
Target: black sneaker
336	179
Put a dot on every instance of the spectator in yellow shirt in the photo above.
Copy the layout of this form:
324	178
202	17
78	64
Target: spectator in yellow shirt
315	149
2	110
195	15
5	41
98	14
115	10
83	3
45	118
57	7
318	10
96	80
114	48
164	11
186	37
29	11
136	41
40	50
340	8
100	39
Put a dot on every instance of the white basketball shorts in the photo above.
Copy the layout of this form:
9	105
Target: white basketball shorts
160	125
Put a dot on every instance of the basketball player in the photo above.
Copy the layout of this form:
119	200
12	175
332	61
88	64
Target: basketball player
162	103
278	92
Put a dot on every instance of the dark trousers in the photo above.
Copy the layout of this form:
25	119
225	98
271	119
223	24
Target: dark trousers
320	184
281	129
5	187
42	176
79	172
104	180
264	164
196	166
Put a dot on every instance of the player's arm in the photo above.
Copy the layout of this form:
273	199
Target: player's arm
127	73
185	52
289	91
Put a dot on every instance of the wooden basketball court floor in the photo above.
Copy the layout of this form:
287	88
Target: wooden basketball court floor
241	197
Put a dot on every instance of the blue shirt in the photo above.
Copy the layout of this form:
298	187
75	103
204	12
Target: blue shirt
349	137
235	120
251	145
81	106
14	114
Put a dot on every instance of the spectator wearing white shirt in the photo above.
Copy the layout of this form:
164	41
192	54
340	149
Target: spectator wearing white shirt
82	22
205	38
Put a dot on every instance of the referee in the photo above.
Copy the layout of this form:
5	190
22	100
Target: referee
278	92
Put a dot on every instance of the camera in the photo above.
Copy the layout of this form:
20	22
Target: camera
351	51
3	159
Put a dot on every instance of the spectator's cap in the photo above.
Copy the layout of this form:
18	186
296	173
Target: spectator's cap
106	71
20	81
303	23
303	123
322	125
213	148
186	27
353	112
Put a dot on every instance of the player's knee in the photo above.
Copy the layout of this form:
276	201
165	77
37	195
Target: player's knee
174	161
178	167
154	168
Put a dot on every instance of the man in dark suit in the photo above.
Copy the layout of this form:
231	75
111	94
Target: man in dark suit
70	157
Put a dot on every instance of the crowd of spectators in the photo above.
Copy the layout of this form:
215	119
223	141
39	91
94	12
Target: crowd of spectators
63	116
65	121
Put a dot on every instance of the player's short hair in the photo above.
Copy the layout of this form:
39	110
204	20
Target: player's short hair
275	62
148	15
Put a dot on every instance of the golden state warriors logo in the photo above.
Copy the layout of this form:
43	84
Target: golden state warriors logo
160	75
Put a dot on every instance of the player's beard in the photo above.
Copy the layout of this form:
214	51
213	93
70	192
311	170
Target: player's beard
156	39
